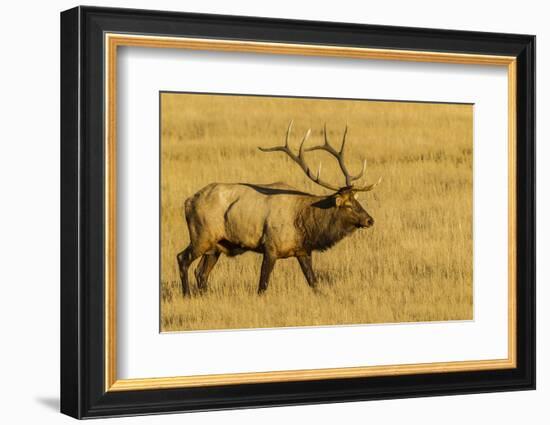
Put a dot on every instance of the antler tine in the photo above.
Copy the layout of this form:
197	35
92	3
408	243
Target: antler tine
344	140
288	132
368	187
299	159
285	148
360	174
306	136
327	147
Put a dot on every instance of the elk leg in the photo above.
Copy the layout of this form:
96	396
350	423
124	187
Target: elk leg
267	267
207	263
307	270
185	258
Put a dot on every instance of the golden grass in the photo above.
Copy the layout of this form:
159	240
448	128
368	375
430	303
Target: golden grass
415	264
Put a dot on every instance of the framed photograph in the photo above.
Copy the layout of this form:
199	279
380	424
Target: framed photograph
261	212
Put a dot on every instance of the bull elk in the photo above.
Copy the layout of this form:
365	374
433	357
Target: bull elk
274	220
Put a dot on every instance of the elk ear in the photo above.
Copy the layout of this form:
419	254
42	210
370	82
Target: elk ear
355	195
339	200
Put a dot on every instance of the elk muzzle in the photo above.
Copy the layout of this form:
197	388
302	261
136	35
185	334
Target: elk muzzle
368	221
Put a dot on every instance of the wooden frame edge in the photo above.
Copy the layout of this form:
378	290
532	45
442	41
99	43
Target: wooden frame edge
306	375
110	213
512	212
114	40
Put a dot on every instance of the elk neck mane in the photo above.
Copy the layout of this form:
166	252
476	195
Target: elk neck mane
321	224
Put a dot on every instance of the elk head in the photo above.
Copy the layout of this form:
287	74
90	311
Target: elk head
344	197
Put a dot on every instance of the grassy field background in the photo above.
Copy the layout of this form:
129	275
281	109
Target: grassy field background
415	264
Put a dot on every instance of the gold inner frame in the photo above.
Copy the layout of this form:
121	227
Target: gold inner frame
113	41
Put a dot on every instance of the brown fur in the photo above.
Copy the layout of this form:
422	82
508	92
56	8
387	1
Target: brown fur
275	220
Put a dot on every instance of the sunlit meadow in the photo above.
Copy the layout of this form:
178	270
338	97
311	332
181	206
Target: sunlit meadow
414	264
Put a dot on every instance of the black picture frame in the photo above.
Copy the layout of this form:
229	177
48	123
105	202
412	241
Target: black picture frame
83	392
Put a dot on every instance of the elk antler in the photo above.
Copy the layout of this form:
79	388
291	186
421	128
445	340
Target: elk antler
327	147
339	155
368	187
299	159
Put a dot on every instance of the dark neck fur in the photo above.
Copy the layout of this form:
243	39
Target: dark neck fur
322	226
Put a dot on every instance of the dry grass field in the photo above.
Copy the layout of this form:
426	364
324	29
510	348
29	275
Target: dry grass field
414	264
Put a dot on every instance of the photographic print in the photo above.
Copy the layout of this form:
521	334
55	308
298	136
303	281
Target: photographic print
286	211
321	196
